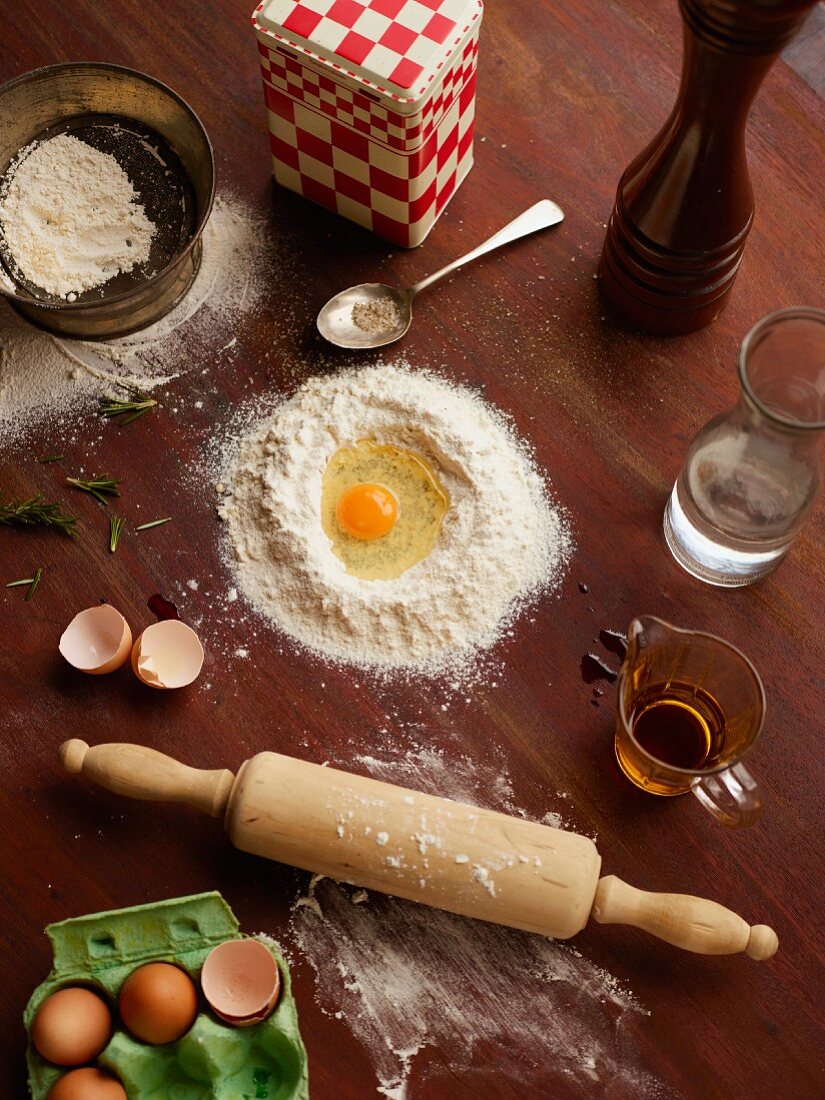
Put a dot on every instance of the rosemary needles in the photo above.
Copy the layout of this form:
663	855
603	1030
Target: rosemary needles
115	527
154	523
32	582
99	487
35	512
129	410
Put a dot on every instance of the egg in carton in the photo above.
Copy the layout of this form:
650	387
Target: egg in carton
266	1061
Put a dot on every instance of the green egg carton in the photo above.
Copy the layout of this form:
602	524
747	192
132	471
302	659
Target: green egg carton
212	1061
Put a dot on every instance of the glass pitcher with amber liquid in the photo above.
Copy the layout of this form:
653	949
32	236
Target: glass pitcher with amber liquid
690	706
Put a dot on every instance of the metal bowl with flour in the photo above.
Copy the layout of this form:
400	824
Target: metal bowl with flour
160	143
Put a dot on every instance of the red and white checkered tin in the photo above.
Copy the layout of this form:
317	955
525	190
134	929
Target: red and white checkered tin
371	105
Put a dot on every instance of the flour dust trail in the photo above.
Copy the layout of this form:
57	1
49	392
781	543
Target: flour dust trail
408	979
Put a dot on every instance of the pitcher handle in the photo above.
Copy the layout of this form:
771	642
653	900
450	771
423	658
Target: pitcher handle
732	796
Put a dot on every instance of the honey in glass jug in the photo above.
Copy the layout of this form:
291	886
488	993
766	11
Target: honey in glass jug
690	705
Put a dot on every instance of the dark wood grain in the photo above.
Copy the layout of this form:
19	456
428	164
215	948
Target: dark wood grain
567	94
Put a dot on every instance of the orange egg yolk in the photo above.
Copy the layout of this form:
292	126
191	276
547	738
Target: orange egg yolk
367	511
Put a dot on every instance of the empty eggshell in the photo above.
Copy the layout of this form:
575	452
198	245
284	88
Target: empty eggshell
97	640
241	981
167	654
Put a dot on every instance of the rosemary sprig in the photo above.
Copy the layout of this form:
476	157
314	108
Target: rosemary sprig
34	584
129	410
115	527
46	459
36	511
154	523
20	583
99	487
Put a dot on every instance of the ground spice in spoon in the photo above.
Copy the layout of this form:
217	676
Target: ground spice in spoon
377	315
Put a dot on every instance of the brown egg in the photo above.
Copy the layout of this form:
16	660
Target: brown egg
87	1084
158	1003
71	1026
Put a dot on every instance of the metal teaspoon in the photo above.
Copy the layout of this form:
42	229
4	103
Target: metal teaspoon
335	321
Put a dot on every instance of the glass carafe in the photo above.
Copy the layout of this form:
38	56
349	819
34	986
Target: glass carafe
752	475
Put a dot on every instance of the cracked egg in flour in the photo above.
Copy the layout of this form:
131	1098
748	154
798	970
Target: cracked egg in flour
381	508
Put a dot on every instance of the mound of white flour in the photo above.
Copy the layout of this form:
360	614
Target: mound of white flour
70	217
501	542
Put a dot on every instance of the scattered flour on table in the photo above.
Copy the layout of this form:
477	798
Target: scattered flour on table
405	978
45	378
430	769
70	217
502	543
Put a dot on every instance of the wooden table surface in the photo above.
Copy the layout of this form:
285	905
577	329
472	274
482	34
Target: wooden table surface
567	93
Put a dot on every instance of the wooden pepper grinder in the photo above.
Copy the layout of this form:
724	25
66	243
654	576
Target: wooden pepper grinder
684	206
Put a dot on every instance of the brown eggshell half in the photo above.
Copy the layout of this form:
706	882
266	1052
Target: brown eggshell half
241	981
167	655
97	640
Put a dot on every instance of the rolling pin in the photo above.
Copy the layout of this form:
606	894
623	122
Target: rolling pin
453	856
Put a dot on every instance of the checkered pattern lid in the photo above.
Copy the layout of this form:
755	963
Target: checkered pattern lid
398	47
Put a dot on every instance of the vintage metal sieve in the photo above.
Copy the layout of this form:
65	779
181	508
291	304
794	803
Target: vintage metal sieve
162	146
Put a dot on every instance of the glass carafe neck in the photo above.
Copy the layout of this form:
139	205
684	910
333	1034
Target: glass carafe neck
782	371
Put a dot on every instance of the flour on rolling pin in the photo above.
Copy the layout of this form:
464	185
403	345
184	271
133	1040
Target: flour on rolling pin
429	843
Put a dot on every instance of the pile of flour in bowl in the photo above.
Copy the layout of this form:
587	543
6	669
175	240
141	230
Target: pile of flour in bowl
70	217
502	541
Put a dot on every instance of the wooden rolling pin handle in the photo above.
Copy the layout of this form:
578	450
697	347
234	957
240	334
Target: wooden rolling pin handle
692	923
138	772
